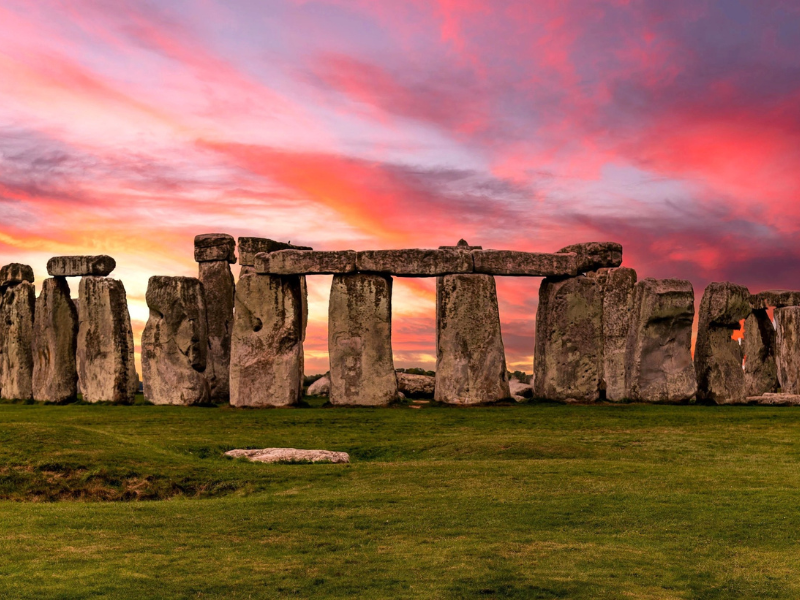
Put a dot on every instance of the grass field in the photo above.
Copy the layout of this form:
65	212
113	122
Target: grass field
527	501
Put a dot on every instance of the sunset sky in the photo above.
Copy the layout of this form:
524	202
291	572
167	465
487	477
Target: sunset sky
671	127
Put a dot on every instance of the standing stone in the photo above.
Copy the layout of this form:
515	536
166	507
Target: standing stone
787	348
718	357
55	338
106	368
568	354
175	342
267	343
470	357
360	340
760	370
658	357
16	339
212	247
14	273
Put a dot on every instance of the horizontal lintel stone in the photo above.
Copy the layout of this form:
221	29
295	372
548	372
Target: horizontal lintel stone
250	246
211	247
530	264
14	273
306	262
414	262
80	266
775	299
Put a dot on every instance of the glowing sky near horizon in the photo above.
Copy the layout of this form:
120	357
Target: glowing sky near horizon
671	127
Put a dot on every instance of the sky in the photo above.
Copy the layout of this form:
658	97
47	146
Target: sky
126	128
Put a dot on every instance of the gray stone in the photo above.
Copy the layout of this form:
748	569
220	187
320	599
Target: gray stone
78	266
175	342
290	455
618	290
210	247
15	273
787	348
717	357
658	359
219	287
321	387
760	370
532	264
470	357
106	368
55	339
250	246
16	340
308	262
462	245
414	262
568	352
519	390
360	341
267	344
416	386
596	255
774	299
775	399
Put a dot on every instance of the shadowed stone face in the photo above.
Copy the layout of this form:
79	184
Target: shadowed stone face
470	357
210	247
15	273
106	368
524	264
787	348
175	342
596	255
267	343
16	339
760	370
774	298
55	326
360	341
78	266
219	287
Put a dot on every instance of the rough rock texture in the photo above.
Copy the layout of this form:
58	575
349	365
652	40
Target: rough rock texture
568	352
596	255
760	370
414	262
658	358
55	339
267	343
16	340
78	266
518	390
535	264
175	342
308	262
15	273
277	455
250	246
775	399
360	341
321	387
106	368
219	287
717	357
787	348
210	247
416	386
774	299
470	357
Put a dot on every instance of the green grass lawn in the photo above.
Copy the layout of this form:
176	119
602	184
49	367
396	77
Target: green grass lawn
527	501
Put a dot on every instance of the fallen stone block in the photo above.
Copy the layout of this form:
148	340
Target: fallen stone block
210	247
774	299
760	370
250	246
78	266
321	387
775	399
306	262
55	339
16	341
524	264
15	273
414	262
290	455
787	348
220	291
416	386
518	390
595	255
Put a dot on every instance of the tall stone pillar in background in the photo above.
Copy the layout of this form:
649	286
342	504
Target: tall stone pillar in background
360	340
55	339
215	252
17	308
787	348
760	370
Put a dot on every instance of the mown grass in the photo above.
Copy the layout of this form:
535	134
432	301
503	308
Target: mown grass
528	501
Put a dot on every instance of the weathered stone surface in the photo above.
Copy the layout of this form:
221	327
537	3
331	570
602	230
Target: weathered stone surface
787	348
760	370
15	273
106	368
775	399
470	357
518	390
219	287
78	266
214	246
290	455
533	264
416	386
717	357
55	339
360	341
596	255
414	262
175	342
774	299
16	340
250	246
321	387
266	348
308	262
658	359
568	352
462	245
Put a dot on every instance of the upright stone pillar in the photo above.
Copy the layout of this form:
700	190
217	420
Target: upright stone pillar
360	341
267	343
175	342
17	309
760	370
658	357
215	252
106	368
787	348
55	338
717	357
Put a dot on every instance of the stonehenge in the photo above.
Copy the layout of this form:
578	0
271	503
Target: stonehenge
17	309
55	339
78	266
